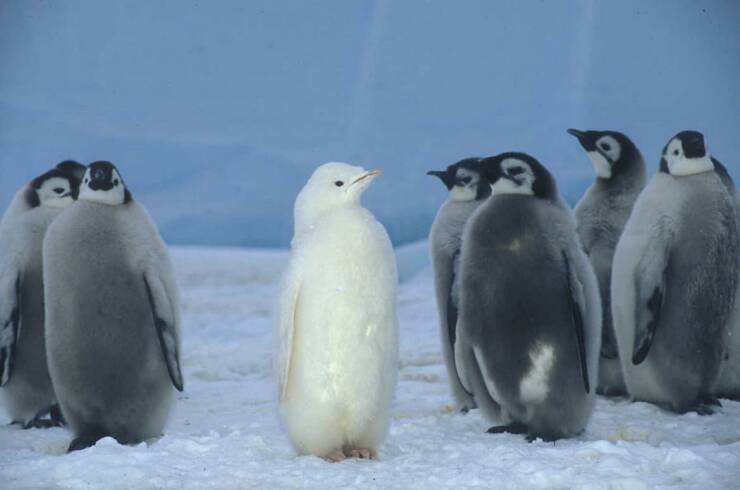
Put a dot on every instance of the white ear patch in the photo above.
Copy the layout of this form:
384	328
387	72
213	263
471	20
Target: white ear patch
680	166
55	193
534	386
601	164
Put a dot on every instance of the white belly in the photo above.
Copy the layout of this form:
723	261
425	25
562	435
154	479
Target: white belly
345	347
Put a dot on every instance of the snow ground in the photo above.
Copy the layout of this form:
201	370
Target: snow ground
224	433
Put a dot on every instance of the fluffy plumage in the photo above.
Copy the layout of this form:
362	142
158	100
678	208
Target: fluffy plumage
113	317
530	316
674	280
337	329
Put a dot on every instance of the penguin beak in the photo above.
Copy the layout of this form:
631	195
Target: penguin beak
577	133
370	174
443	176
583	138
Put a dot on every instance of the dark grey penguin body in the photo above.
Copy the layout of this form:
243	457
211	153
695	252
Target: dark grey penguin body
112	315
26	390
601	215
467	190
530	316
675	279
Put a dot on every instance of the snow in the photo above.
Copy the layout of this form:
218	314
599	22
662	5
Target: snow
225	432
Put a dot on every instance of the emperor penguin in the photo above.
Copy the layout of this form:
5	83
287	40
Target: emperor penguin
337	330
112	315
467	189
600	216
529	329
26	389
674	280
728	385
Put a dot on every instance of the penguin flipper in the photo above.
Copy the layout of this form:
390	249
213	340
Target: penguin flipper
650	290
576	300
452	316
10	322
165	323
288	307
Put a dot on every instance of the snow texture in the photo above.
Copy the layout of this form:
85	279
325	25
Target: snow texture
225	432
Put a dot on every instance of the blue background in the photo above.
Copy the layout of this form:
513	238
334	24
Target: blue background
217	112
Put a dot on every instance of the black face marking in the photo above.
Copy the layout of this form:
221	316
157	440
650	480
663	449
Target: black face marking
102	178
339	183
544	185
515	170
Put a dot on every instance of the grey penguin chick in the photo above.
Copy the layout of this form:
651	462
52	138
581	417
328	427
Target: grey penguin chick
728	385
674	280
529	329
112	313
27	392
600	216
467	189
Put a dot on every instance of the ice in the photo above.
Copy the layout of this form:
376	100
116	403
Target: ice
225	432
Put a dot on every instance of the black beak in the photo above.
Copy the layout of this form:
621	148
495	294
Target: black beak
586	141
443	176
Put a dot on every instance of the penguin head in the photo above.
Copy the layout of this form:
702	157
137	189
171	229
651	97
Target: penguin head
685	154
56	188
519	173
608	150
464	181
103	184
333	185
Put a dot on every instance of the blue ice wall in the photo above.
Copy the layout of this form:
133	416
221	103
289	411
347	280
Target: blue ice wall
217	112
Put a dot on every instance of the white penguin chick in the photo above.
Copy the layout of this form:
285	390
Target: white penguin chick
112	315
337	352
27	392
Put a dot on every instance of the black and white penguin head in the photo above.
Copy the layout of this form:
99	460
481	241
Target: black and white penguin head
464	181
518	173
686	154
103	184
56	188
332	185
608	150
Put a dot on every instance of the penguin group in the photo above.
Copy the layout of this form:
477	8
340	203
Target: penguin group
631	294
89	309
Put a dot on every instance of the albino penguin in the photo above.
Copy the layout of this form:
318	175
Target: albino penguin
337	331
467	189
26	390
530	314
601	215
674	281
112	315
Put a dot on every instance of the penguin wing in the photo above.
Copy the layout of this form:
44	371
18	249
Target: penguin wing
650	288
10	320
165	321
577	302
288	307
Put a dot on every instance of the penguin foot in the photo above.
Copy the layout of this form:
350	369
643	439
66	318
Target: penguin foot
83	442
39	424
335	457
512	428
611	392
703	409
55	414
363	454
711	401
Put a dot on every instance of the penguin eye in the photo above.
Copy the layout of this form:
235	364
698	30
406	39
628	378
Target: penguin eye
466	180
605	146
87	180
676	152
58	190
339	183
115	182
516	170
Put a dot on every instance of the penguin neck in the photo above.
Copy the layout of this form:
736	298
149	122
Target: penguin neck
628	175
